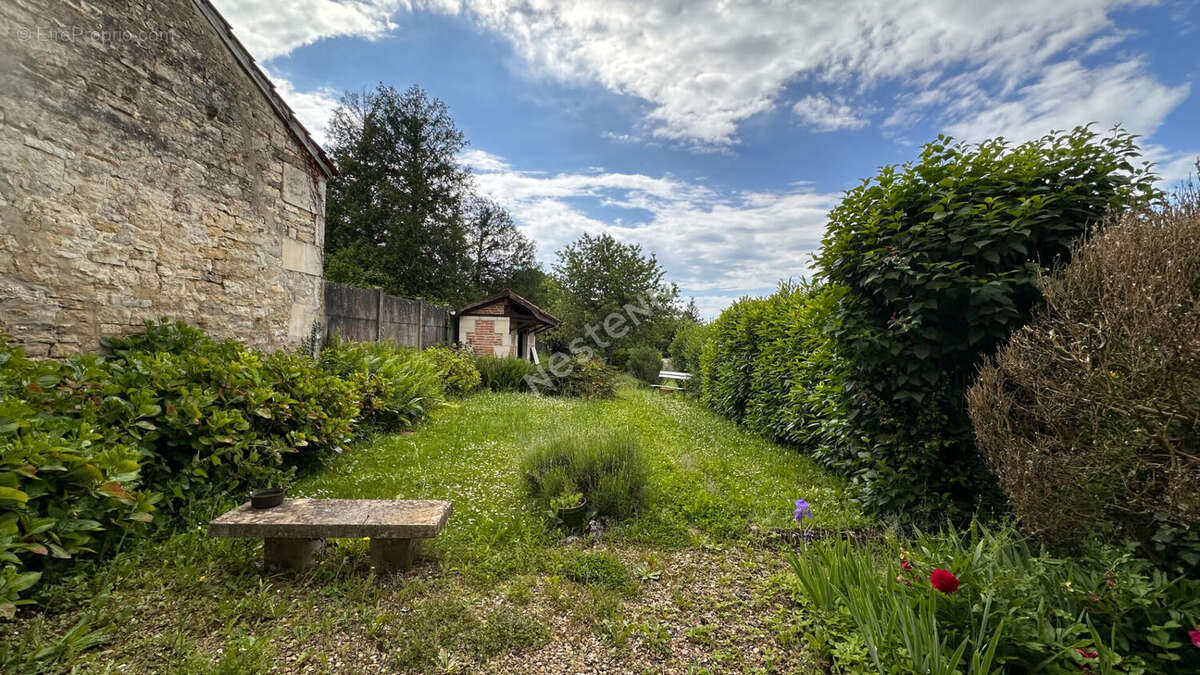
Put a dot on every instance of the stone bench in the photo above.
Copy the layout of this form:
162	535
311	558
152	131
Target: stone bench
294	532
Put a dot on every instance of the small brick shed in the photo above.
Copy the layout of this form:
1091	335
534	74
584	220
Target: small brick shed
504	324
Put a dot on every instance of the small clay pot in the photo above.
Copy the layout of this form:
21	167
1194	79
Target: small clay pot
266	498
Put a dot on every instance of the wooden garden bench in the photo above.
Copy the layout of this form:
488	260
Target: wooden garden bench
294	532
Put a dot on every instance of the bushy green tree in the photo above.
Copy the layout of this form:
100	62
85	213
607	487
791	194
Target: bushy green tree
598	276
940	259
500	256
401	213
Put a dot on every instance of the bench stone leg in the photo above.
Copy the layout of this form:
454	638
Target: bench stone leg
392	555
291	554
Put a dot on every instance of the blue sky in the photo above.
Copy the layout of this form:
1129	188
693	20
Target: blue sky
718	134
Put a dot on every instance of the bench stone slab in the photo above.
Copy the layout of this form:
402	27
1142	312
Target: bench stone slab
335	518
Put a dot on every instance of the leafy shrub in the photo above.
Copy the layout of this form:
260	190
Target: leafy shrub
578	376
505	373
941	260
399	385
64	492
607	467
686	346
1090	416
1016	609
685	349
460	376
644	363
215	417
619	358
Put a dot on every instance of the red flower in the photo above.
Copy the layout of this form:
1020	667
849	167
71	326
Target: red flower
1087	654
1195	635
943	580
907	566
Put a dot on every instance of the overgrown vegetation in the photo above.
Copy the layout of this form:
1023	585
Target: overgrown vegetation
1090	416
607	467
505	373
494	587
573	376
457	365
932	265
93	448
1005	607
398	385
644	363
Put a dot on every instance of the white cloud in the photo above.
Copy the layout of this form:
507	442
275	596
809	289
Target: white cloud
271	28
312	108
823	114
716	245
706	66
1067	94
481	160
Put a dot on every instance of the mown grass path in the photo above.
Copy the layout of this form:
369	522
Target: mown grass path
684	586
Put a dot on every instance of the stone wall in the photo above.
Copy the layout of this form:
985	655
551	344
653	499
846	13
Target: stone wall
144	175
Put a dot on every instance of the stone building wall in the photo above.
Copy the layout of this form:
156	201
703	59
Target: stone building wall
144	174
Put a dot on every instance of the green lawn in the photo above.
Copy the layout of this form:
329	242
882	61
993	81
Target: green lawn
687	585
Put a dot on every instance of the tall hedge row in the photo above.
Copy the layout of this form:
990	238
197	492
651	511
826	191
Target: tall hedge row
928	267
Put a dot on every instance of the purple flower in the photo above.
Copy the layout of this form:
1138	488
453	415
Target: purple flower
802	511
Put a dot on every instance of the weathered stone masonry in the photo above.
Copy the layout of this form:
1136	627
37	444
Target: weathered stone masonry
144	173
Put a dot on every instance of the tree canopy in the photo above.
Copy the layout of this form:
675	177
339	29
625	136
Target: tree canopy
402	214
597	276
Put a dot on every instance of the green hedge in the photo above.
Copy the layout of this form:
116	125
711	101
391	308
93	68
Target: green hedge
399	386
928	267
769	364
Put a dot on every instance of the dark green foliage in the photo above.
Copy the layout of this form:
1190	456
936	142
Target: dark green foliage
598	278
1090	416
503	373
727	360
88	445
216	417
619	358
941	260
499	255
64	492
644	363
457	365
686	346
1038	611
577	376
608	467
399	386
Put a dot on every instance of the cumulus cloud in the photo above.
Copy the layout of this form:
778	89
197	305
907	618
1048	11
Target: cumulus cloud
1067	94
718	245
270	28
823	114
707	65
